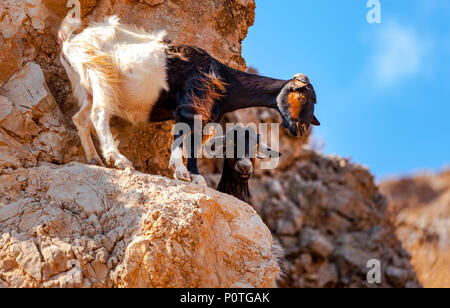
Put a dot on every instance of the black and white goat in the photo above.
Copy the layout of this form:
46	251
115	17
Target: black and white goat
119	70
238	167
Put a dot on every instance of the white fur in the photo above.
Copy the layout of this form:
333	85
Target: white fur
126	81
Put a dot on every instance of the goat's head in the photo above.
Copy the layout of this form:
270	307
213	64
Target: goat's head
296	103
241	147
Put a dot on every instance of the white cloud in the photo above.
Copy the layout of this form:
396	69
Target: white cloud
399	54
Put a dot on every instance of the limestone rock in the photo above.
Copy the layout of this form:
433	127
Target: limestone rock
32	128
420	208
80	225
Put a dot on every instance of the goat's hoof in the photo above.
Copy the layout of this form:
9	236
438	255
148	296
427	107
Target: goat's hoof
97	162
124	165
182	176
198	179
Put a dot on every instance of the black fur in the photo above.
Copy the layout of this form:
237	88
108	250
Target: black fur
201	85
234	180
231	184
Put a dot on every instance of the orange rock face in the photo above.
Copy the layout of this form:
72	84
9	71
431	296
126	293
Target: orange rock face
80	226
420	209
84	226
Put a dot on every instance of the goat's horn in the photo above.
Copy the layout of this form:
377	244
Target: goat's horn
265	149
217	138
302	77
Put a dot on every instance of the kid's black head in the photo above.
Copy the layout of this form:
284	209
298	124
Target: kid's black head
241	162
296	103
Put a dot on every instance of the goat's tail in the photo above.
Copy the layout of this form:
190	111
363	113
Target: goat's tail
85	55
91	58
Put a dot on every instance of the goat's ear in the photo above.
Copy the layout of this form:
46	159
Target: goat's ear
216	141
315	122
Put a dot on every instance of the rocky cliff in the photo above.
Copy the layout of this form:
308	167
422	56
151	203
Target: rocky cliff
66	224
83	226
419	207
331	219
74	225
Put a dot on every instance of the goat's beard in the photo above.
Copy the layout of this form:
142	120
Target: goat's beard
235	186
296	128
290	125
242	178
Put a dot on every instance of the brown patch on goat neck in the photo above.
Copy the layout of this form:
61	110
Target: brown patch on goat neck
295	101
211	89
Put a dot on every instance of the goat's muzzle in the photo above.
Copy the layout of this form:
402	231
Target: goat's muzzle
244	169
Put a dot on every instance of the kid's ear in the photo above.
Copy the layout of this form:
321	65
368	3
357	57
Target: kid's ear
264	152
218	140
315	122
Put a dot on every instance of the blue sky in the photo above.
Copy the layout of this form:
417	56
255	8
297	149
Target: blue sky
383	89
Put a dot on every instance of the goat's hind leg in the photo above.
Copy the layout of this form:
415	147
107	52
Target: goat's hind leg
100	118
82	121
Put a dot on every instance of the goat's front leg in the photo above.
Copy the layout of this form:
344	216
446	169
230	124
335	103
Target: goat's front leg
186	114
176	160
183	173
82	121
192	160
100	119
194	173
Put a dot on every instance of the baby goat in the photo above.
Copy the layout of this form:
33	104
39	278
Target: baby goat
238	167
119	70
